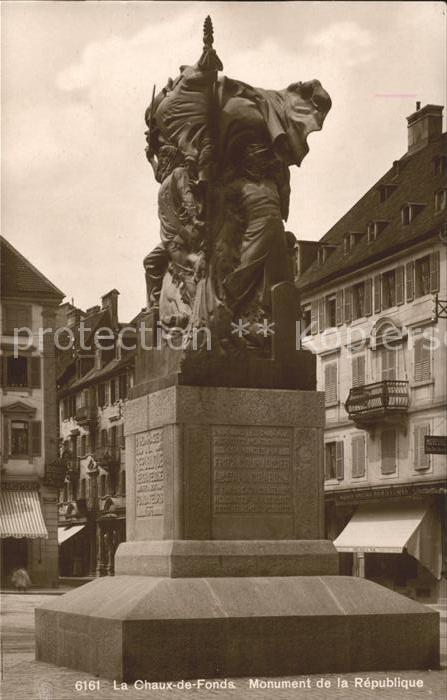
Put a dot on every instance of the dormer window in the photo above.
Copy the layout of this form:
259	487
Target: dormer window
440	165
374	228
440	200
385	191
323	252
349	241
409	212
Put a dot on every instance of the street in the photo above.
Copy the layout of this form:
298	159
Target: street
23	678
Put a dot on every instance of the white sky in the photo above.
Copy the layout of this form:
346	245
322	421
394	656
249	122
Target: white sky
78	196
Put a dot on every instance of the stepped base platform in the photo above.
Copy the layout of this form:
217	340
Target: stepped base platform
158	628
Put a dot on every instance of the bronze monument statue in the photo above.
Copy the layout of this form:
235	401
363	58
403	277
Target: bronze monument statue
221	151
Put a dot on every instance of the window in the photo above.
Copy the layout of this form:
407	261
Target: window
102	485
440	200
306	318
409	212
20	371
16	316
19	437
123	483
113	434
83	445
386	191
112	391
83	490
123	386
358	370
358	456
422	271
74	447
440	165
333	460
104	438
421	460
358	300
17	371
371	232
388	448
330	383
422	363
388	289
330	311
122	439
388	363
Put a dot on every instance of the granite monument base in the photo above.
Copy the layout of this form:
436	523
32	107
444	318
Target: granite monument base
139	627
225	571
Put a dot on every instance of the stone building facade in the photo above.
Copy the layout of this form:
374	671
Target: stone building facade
93	385
30	470
372	312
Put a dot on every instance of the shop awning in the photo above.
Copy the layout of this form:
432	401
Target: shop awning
394	527
21	515
64	533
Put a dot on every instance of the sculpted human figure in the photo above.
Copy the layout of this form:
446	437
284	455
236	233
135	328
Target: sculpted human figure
180	227
229	147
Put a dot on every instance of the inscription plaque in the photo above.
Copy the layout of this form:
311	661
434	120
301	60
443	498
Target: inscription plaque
149	474
252	470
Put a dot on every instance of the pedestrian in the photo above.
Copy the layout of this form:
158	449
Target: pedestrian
21	580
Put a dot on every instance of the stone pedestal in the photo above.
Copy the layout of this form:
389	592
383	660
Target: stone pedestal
225	572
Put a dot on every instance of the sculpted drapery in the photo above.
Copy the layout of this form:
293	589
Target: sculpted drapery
221	151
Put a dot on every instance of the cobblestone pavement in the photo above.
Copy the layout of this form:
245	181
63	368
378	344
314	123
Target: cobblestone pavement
26	679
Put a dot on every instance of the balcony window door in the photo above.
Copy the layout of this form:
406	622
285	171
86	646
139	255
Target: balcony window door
358	370
388	362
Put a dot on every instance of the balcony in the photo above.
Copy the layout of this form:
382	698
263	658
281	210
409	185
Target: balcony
380	403
86	415
107	457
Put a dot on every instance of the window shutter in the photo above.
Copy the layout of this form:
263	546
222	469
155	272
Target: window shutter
410	280
330	383
36	438
400	277
339	460
421	460
377	294
368	297
122	439
388	359
434	272
348	304
327	461
422	368
34	368
314	317
388	449
358	370
5	450
321	315
4	370
358	456
339	307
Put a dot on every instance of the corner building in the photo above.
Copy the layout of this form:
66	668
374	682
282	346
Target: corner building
372	296
30	469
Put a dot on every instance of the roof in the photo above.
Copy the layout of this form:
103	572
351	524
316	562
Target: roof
113	367
20	278
416	183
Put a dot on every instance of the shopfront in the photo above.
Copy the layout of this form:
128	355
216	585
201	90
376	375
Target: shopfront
396	541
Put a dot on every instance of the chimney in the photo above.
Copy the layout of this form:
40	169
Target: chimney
73	317
424	125
110	301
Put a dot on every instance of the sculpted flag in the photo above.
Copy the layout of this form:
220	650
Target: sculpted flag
225	147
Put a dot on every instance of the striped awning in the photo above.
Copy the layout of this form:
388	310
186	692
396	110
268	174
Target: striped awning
21	515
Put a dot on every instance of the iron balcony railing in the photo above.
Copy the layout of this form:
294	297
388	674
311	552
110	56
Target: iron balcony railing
381	397
86	414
